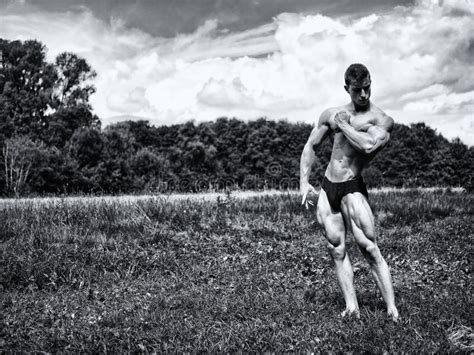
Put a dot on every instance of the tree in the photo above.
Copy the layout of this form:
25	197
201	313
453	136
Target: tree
121	140
30	87
26	84
20	154
72	87
149	170
86	145
65	121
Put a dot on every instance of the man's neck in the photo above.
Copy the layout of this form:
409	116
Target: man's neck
361	109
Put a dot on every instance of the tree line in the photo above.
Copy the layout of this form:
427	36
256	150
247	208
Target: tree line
52	143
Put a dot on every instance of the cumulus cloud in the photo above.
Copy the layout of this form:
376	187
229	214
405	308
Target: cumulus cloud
420	58
219	93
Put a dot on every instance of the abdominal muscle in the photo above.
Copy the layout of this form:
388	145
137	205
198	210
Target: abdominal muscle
346	163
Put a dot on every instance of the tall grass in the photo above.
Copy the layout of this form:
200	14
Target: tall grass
228	275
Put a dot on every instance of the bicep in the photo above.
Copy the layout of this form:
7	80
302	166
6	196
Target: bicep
321	131
318	134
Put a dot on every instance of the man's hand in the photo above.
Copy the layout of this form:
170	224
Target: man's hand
307	189
342	118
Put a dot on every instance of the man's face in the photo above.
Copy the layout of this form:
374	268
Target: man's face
359	90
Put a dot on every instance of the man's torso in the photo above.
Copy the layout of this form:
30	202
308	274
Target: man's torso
346	162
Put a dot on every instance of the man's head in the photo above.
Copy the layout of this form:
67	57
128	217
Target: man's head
357	79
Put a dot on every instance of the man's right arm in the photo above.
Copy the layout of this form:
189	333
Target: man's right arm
308	157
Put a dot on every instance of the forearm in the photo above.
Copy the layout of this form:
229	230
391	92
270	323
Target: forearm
306	163
362	141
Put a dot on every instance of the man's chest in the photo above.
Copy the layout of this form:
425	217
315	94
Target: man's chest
360	122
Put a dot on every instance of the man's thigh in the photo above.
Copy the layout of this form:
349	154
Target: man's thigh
358	214
330	220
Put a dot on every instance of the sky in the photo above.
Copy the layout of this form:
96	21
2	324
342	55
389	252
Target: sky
171	61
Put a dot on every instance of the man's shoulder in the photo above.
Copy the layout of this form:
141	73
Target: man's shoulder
330	112
382	118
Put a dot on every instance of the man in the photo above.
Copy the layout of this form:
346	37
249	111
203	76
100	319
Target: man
358	130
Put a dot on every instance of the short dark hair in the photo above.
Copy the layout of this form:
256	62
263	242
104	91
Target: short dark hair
356	72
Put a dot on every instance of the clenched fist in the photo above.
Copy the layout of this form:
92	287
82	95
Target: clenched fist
342	118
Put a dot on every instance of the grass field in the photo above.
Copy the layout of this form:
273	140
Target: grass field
229	274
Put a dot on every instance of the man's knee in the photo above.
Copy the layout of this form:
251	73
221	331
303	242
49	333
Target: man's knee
335	233
338	251
371	253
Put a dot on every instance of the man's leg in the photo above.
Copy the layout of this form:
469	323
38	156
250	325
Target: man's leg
357	212
334	230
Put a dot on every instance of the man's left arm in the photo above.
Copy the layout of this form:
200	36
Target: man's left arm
371	141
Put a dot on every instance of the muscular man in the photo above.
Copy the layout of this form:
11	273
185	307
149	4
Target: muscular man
359	130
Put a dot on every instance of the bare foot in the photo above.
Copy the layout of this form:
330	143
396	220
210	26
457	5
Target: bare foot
394	314
351	312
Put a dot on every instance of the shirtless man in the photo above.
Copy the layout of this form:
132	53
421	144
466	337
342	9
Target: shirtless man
359	130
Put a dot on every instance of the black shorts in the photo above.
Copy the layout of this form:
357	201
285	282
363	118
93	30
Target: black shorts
335	191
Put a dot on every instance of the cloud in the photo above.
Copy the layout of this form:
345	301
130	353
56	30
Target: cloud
129	102
443	103
420	58
220	94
